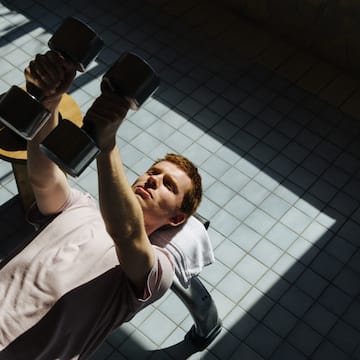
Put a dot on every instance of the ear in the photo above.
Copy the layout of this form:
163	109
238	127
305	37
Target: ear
177	219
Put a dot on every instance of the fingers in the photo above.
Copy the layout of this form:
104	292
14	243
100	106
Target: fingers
107	113
49	68
104	117
50	72
110	105
45	71
107	88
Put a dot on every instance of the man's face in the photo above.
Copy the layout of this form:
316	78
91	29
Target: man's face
160	192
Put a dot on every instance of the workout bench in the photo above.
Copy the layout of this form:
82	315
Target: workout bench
195	297
201	306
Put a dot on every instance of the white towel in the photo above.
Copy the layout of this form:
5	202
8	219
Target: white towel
189	245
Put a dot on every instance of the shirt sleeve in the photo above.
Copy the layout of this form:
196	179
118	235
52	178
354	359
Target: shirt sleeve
75	198
160	276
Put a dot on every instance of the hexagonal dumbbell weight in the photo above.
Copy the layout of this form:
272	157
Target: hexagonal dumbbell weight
73	148
22	111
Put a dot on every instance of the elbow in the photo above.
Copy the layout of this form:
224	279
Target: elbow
36	181
124	226
42	179
43	184
124	233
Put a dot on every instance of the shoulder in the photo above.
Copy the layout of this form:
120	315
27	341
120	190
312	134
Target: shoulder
163	259
160	276
75	199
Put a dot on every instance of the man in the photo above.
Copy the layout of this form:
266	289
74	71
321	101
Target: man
88	271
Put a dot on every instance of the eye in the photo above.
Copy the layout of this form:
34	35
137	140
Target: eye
170	185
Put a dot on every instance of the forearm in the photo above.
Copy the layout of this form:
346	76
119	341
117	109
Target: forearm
39	166
44	175
119	207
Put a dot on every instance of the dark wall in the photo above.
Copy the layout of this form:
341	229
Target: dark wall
328	28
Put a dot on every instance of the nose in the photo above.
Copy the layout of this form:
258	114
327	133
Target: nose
151	182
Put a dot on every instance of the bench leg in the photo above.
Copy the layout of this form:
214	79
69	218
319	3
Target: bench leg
23	185
203	311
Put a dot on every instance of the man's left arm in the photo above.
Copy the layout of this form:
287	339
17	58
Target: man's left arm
124	218
120	209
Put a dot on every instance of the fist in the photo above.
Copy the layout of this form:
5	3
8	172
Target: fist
104	117
51	73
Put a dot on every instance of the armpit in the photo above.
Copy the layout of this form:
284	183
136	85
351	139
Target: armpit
37	219
75	198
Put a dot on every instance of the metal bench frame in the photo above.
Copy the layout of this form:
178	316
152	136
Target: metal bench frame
197	299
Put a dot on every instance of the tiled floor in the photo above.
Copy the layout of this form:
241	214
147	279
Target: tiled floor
275	132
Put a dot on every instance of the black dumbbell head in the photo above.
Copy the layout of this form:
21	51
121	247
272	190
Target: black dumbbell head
132	77
22	113
76	41
70	147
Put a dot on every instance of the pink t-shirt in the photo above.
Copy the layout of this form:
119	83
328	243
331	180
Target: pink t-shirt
65	291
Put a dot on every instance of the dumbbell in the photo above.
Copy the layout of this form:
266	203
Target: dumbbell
21	110
130	76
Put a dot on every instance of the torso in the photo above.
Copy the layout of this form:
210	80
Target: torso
68	274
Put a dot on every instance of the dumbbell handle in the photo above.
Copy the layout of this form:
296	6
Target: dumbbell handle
78	153
135	85
130	77
34	91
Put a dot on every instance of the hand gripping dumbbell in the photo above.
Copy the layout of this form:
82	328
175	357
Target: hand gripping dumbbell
131	77
22	111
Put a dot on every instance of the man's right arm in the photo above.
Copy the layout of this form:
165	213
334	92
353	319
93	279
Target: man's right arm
53	76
